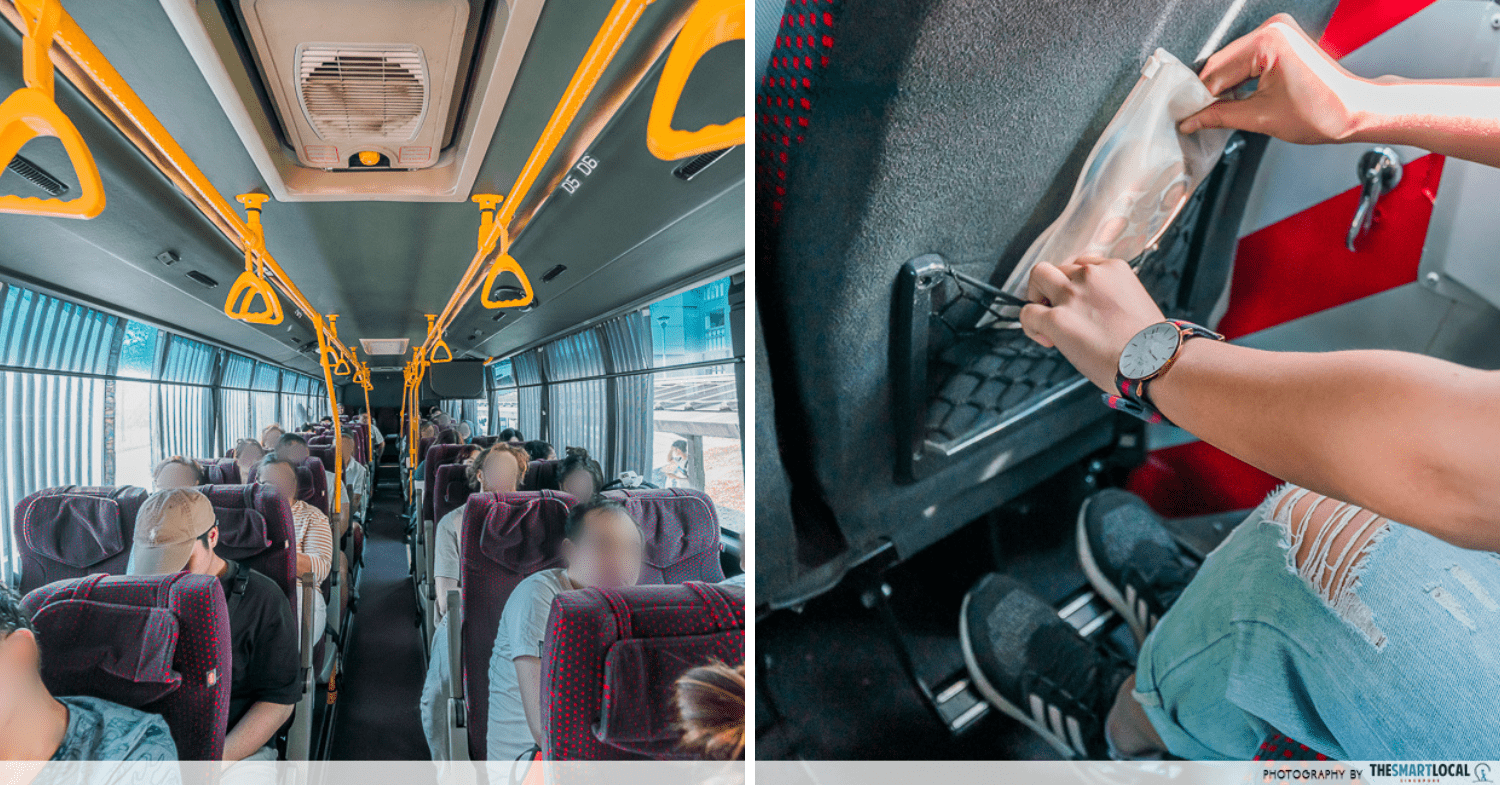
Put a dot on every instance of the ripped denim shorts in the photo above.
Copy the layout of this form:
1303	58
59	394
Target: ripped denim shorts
1359	637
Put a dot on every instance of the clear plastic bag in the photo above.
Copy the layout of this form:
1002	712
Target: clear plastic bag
1138	176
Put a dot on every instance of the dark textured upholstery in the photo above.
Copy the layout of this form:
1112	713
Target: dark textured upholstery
312	483
256	530
541	476
156	643
450	490
612	657
438	455
505	537
73	531
222	471
682	534
889	130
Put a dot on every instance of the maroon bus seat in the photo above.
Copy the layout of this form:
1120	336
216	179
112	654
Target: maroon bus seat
612	658
451	490
438	455
505	537
541	476
158	643
72	531
682	534
256	530
222	471
312	483
483	441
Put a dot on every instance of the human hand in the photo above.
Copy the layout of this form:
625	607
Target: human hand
1089	309
1302	96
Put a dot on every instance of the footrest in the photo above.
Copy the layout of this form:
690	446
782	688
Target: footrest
958	703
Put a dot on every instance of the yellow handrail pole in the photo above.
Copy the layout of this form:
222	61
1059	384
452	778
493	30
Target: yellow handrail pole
621	20
338	439
80	61
366	384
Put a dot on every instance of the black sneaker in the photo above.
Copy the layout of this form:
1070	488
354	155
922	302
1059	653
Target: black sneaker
1130	558
1032	665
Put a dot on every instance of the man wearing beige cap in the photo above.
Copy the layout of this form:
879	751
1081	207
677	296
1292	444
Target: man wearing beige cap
175	531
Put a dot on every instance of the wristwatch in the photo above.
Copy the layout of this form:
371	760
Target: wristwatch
1147	356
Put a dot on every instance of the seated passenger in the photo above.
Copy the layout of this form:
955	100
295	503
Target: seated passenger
673	472
177	472
293	447
326	420
498	469
34	726
310	527
512	435
540	450
711	711
175	530
603	546
247	455
269	436
578	475
356	477
375	434
442	420
465	433
467	455
1354	610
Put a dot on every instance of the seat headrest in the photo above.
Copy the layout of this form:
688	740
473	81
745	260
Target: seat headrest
516	535
242	526
121	652
679	523
632	716
79	527
541	476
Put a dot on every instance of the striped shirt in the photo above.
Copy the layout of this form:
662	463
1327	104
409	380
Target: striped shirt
314	537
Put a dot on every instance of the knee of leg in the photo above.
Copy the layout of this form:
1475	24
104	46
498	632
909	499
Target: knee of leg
1327	540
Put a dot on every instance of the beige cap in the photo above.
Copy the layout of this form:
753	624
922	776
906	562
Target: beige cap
165	529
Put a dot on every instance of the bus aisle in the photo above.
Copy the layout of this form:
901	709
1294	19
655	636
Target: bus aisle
383	666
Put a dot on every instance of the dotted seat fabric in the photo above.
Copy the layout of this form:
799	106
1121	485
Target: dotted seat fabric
541	476
1279	746
256	530
611	660
157	643
72	531
681	528
450	490
438	455
505	537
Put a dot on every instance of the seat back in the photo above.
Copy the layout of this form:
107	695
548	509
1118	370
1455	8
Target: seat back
256	530
451	490
326	453
682	534
424	443
157	643
484	441
612	658
438	455
540	476
72	531
222	471
312	483
505	537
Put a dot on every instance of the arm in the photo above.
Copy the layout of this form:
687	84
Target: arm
1304	96
255	729
1407	436
529	676
443	586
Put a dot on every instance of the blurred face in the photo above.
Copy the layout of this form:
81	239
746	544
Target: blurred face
268	439
250	453
501	473
608	553
295	452
347	445
579	484
467	456
281	477
175	475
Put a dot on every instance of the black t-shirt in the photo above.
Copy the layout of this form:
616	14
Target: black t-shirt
263	636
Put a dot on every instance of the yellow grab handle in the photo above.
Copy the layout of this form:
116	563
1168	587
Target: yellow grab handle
32	111
242	298
441	353
711	23
506	263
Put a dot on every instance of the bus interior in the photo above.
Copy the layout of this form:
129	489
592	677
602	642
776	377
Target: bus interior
908	153
421	224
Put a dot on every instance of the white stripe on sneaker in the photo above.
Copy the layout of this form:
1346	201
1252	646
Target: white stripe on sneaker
1076	736
1038	712
1054	721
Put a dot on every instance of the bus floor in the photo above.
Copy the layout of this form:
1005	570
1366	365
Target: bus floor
381	683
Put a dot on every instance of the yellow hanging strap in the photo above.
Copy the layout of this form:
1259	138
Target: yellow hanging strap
324	351
341	367
440	351
493	239
252	282
362	378
32	111
711	23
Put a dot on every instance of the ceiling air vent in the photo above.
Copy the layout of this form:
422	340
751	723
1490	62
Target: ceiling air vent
374	346
359	93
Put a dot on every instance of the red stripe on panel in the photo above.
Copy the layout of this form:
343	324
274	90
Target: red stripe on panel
1299	265
1357	22
1197	479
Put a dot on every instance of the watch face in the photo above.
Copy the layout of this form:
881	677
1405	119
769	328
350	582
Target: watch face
1149	350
